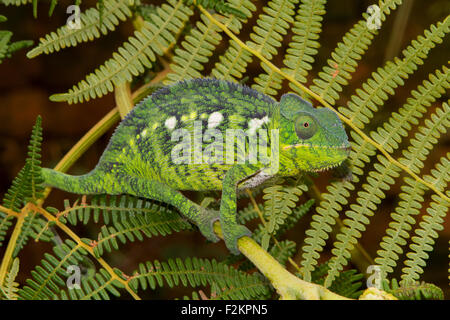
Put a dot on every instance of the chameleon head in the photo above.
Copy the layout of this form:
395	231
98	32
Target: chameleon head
311	139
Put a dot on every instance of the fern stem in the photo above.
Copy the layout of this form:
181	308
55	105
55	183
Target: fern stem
86	247
6	261
123	98
9	212
324	103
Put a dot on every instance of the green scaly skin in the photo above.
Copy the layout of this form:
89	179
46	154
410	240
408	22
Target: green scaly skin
138	159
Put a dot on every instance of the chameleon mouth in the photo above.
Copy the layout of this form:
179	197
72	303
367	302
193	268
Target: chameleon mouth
344	146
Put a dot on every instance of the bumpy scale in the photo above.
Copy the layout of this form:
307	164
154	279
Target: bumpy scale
179	138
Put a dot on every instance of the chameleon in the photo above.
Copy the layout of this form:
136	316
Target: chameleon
165	146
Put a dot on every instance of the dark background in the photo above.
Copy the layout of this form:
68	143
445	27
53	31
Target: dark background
26	84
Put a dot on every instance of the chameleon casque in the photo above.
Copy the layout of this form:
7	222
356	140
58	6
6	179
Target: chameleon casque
139	159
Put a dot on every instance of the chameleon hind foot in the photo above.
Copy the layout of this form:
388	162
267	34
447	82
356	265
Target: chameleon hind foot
231	234
205	222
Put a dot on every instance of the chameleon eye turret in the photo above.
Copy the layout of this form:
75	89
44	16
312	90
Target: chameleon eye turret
305	126
311	139
139	158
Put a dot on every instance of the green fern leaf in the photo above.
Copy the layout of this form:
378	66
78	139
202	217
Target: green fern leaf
10	288
140	51
379	180
432	222
50	276
196	272
383	82
304	45
344	59
413	290
271	27
91	28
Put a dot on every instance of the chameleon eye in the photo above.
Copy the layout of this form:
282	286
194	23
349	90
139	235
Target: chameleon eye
305	127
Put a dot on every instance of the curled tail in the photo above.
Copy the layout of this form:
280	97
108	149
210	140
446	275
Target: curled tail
84	184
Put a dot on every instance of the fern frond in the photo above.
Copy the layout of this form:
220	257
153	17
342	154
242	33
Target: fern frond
16	195
283	251
27	186
413	290
16	2
197	48
268	33
196	272
321	224
10	288
304	44
249	213
91	28
383	82
5	36
119	209
33	226
34	159
298	213
219	6
390	136
379	180
7	48
136	227
344	59
432	222
234	61
101	286
278	205
5	224
347	284
139	51
391	133
50	276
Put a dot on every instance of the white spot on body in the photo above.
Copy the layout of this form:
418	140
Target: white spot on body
254	124
214	119
144	132
171	123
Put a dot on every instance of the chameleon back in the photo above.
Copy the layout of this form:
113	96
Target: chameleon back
164	137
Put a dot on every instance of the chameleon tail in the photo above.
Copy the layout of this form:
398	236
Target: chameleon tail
84	184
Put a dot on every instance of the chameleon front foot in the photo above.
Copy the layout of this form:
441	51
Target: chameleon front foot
231	235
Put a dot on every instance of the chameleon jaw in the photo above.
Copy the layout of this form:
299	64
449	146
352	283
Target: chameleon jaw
346	147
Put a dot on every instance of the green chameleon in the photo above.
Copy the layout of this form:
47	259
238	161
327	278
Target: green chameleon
174	140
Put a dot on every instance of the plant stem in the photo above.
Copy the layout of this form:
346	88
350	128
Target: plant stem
123	99
288	286
6	261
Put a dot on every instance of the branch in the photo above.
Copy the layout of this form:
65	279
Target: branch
288	286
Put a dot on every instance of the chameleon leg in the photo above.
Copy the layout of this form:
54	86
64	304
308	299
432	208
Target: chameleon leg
150	189
232	231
